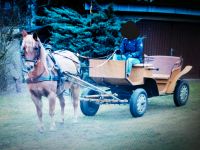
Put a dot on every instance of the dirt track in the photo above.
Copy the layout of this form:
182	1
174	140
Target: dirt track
164	126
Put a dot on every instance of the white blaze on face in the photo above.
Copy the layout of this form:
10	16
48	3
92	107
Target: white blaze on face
28	46
29	43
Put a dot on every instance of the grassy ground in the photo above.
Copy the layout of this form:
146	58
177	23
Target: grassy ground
164	126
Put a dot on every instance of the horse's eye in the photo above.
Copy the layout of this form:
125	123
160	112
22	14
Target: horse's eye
36	48
24	48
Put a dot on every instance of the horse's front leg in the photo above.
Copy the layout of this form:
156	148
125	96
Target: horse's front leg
62	105
52	102
75	96
38	104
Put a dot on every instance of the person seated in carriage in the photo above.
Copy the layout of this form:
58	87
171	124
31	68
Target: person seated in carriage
131	48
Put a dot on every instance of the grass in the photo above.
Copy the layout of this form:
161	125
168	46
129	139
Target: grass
163	126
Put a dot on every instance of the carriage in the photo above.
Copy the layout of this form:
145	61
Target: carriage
158	75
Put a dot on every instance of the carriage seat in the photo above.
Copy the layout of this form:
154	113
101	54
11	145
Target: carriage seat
164	65
161	76
151	67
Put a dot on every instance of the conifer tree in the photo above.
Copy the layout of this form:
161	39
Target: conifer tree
96	34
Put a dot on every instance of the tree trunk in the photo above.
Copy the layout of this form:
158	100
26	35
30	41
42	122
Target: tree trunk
3	79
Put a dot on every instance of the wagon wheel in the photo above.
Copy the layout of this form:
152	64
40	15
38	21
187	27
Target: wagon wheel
138	102
181	93
89	108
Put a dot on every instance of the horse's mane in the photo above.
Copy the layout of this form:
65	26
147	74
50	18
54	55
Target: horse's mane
43	55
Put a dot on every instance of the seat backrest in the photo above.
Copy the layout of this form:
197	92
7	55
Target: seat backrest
164	64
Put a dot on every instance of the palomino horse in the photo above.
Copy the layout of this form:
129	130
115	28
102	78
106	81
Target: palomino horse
42	78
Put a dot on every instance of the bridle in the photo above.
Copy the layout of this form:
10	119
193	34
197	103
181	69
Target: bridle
34	60
37	56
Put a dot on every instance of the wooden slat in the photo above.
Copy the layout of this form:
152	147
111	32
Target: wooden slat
99	95
143	65
91	86
110	69
104	100
161	76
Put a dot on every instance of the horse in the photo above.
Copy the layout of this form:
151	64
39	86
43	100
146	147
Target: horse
43	78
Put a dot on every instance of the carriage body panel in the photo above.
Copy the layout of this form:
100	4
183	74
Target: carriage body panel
114	72
165	70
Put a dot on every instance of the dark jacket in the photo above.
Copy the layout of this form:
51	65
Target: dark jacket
132	48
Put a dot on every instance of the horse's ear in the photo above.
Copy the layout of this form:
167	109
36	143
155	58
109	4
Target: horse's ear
35	36
24	33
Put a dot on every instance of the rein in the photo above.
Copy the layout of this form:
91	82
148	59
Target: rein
111	55
105	61
85	57
78	55
67	57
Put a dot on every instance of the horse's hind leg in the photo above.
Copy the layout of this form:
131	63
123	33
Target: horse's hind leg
62	105
38	104
52	102
75	96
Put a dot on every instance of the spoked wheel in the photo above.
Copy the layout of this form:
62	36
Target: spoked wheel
181	93
138	102
89	108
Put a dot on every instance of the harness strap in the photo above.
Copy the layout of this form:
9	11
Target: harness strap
59	68
67	57
85	57
42	78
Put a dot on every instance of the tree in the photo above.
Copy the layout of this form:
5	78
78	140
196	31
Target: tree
6	36
10	22
95	34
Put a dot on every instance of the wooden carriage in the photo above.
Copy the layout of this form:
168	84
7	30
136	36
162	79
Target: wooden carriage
158	75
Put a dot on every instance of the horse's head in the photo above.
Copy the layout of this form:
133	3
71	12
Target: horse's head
31	46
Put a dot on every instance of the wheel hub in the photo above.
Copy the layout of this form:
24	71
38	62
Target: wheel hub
141	103
183	93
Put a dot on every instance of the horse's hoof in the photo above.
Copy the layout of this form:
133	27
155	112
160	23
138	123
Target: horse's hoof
53	128
62	121
41	130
